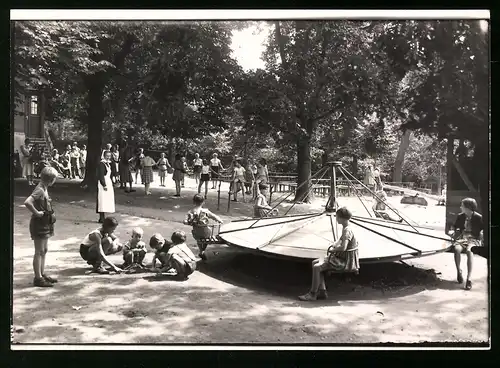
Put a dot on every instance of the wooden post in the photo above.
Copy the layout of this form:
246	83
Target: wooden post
218	198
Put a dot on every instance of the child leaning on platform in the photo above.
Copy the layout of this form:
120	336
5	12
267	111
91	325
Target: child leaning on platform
42	224
467	232
198	218
100	243
134	250
342	256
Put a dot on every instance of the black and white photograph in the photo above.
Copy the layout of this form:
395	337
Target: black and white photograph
266	177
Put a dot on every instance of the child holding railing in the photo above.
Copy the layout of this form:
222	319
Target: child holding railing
198	218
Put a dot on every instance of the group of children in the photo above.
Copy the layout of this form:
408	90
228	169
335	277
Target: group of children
342	256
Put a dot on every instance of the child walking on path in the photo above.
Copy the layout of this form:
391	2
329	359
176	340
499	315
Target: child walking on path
198	218
42	224
100	243
134	250
197	164
467	233
342	256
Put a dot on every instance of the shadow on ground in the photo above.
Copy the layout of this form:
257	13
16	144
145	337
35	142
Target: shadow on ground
290	278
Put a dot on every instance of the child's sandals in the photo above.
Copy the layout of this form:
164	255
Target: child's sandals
468	285
49	279
41	282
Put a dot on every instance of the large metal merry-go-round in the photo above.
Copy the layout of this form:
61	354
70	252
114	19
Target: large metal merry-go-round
308	236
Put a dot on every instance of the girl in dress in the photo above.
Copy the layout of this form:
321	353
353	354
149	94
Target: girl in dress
197	164
466	233
377	180
262	176
105	191
178	174
163	166
369	179
249	178
204	177
216	167
147	172
342	256
42	224
238	180
185	169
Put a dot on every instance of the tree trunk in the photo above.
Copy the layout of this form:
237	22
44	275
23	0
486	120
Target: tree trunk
95	116
303	170
398	164
355	165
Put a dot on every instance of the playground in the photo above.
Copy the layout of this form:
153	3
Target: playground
234	297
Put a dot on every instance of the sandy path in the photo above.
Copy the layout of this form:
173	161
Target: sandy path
234	298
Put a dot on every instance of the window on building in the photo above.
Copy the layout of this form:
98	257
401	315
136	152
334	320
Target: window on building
34	105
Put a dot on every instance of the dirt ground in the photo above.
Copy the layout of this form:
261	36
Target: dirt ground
235	297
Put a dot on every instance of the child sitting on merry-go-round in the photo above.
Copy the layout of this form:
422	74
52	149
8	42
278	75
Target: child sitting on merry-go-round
379	208
261	207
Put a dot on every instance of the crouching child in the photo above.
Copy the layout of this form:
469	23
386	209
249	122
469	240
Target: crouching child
100	243
134	250
342	256
161	248
179	257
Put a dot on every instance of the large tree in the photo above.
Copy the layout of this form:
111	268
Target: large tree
317	73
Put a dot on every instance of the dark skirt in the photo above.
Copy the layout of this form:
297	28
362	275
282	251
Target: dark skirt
197	169
215	172
114	168
125	174
41	228
204	177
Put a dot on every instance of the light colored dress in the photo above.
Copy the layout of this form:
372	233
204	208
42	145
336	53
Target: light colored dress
106	198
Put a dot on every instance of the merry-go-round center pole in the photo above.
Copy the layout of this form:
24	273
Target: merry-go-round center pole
332	201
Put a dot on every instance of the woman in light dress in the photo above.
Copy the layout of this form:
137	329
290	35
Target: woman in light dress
105	192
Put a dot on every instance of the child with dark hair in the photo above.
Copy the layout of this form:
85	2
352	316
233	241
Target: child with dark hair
161	248
134	250
261	207
467	232
342	256
198	218
179	256
41	224
204	177
100	243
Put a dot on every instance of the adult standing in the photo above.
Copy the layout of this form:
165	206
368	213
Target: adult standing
105	191
27	161
197	164
178	174
216	167
147	168
138	168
